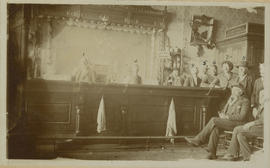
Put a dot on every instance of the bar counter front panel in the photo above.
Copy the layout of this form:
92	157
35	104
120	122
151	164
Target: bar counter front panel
69	108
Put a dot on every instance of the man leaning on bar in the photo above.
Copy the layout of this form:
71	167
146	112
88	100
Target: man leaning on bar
233	114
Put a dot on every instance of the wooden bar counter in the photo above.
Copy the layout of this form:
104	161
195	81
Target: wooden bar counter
59	111
62	108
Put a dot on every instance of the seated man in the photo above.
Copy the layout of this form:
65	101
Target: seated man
233	114
241	133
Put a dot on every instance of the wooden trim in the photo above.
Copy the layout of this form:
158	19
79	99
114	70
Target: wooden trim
106	137
51	122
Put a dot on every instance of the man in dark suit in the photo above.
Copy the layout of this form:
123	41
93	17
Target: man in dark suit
233	114
241	133
244	78
193	80
227	78
258	85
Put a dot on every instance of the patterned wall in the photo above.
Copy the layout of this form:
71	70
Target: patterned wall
179	30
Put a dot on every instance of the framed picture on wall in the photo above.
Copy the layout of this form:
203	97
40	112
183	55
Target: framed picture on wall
202	31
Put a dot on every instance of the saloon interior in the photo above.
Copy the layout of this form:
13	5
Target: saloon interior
128	107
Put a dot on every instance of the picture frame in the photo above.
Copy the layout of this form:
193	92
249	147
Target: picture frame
202	28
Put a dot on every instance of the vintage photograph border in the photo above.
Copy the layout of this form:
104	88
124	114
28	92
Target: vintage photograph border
81	163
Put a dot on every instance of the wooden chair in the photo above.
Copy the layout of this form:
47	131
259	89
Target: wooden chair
256	142
227	139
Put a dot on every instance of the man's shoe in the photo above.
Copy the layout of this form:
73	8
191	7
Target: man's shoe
211	156
246	159
192	141
206	149
229	157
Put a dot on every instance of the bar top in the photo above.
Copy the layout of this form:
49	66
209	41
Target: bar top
41	82
50	86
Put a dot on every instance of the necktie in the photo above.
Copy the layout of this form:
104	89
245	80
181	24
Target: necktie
260	109
226	107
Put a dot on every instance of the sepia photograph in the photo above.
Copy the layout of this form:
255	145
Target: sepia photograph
136	82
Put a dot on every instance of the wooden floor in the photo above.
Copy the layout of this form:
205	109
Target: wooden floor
157	155
139	151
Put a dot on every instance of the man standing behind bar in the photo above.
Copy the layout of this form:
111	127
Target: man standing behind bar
193	80
258	86
244	78
233	114
227	78
213	72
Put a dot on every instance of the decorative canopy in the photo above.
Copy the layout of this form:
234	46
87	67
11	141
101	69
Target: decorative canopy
135	19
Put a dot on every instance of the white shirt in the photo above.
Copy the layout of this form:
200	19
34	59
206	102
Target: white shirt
241	78
195	79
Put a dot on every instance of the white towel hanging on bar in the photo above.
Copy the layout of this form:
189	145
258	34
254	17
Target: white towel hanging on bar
101	117
171	122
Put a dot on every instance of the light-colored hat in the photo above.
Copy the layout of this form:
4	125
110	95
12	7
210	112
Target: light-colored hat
243	64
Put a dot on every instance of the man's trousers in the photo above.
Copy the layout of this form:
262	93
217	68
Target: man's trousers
212	129
239	141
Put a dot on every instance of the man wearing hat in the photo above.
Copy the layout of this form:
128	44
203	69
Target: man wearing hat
233	114
244	79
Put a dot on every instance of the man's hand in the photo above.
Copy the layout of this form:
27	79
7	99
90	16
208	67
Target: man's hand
222	115
226	117
254	112
248	125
